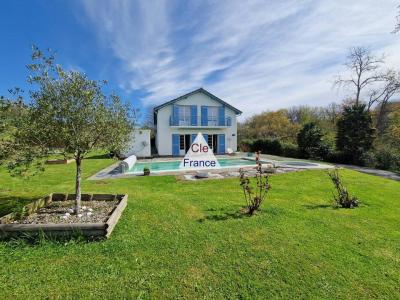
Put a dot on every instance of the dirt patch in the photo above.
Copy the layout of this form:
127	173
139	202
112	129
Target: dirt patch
61	212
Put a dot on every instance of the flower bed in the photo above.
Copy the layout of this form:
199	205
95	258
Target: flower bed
53	216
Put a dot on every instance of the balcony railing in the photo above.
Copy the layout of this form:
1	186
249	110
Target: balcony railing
198	121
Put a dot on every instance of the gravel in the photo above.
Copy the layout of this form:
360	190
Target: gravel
61	212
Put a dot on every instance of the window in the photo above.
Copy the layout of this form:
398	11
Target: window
184	115
182	142
212	115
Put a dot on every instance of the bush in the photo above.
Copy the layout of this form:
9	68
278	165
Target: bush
270	146
342	197
290	150
309	140
368	159
387	159
245	145
146	171
267	146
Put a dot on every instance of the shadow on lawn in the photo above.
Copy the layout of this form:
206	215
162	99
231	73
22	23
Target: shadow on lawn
100	156
241	213
317	206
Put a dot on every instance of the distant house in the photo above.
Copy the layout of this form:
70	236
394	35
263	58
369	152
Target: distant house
178	121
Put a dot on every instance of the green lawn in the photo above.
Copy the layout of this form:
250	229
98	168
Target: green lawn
185	239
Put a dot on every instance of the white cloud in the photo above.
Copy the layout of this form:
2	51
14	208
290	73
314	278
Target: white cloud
257	55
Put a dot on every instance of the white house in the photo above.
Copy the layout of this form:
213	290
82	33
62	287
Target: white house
178	121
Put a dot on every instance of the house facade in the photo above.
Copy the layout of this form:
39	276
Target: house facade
178	121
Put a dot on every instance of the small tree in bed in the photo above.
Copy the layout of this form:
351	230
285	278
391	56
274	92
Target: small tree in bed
68	112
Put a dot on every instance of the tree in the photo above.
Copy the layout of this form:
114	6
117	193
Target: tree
274	125
11	111
363	68
397	26
310	141
68	112
383	94
355	133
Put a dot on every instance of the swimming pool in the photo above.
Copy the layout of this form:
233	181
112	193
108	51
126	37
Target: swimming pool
165	166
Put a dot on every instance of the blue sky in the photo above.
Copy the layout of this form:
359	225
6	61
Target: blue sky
256	55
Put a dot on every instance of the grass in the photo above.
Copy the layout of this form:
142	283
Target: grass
186	239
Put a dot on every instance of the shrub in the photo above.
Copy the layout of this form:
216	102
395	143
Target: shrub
290	150
245	145
309	140
369	159
342	197
254	195
387	159
311	143
267	146
146	171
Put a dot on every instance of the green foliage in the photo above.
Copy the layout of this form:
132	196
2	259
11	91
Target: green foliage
254	194
290	150
268	125
269	146
342	197
311	143
387	159
355	133
146	171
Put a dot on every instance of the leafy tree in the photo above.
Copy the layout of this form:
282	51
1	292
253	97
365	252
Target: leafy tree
310	141
355	133
11	112
68	112
393	132
272	125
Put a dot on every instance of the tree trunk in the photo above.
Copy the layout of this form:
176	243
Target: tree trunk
358	96
78	161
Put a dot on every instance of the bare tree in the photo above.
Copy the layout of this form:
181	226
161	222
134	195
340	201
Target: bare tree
332	112
390	88
148	118
397	26
364	71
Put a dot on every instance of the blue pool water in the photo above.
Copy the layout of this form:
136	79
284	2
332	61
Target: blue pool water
174	165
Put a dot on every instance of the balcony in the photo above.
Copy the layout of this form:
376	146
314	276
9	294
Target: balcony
198	122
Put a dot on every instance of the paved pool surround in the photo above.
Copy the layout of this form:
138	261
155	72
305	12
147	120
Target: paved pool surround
281	163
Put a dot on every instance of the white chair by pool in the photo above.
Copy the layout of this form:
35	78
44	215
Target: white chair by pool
229	151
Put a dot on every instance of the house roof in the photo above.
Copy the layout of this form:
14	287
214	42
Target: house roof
200	90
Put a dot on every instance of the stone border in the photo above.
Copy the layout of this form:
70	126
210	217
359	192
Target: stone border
88	230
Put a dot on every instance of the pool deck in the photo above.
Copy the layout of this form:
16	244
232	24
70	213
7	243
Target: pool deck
269	161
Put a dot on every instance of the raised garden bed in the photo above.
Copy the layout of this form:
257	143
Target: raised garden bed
53	217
